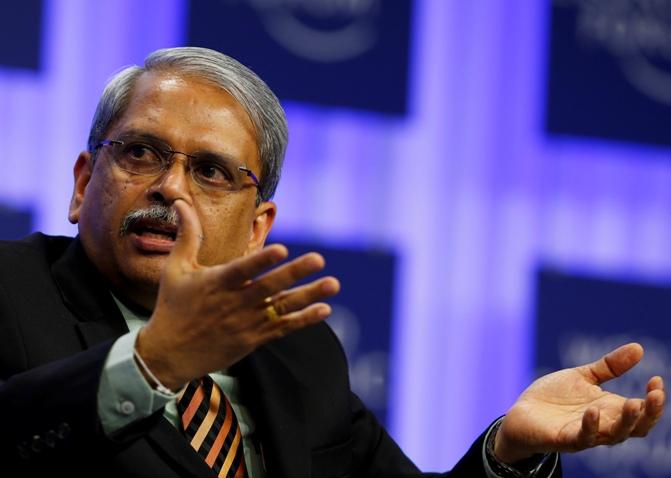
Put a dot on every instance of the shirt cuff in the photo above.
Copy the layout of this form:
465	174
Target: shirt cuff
124	396
486	457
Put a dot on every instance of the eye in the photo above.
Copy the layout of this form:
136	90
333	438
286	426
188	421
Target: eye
141	152
214	174
139	158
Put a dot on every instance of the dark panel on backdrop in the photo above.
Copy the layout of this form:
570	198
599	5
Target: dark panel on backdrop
362	313
609	73
14	224
20	35
329	52
578	319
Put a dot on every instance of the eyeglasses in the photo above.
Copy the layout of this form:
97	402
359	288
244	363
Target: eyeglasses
151	158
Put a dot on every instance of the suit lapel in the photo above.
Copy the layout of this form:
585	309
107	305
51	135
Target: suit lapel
175	448
87	295
275	398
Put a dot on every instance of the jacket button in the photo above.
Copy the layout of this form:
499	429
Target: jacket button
36	444
50	439
24	451
63	431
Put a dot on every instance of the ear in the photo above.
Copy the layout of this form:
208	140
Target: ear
82	172
263	221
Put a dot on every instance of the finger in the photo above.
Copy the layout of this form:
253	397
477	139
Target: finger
624	425
308	316
302	296
653	408
613	364
294	321
241	270
589	429
189	233
655	383
284	276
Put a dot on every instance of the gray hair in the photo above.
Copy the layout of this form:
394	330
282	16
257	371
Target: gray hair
261	104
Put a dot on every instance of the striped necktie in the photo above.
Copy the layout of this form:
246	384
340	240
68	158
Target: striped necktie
210	425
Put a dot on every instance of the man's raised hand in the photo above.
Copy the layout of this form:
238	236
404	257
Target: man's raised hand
569	411
208	317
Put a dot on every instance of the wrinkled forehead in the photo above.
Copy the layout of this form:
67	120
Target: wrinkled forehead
154	83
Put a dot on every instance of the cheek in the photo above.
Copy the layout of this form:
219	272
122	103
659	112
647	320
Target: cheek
227	231
105	205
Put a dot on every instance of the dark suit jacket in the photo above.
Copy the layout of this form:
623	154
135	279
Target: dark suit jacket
57	323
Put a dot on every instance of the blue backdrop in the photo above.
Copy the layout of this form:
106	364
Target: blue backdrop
351	54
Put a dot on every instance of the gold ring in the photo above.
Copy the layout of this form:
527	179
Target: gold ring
271	312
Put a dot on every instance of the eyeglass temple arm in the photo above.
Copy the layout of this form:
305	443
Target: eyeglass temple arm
249	173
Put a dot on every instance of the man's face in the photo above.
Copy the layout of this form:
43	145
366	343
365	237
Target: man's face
192	117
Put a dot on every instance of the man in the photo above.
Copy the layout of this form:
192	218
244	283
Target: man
166	340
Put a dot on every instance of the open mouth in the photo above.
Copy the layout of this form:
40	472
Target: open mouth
153	235
153	229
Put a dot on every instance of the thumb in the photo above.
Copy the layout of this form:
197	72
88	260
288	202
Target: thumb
613	364
189	234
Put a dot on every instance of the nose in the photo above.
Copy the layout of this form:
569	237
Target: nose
173	183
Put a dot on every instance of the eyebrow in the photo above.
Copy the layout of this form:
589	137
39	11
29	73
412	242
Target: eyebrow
204	154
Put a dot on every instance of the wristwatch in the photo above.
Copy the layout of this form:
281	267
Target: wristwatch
527	468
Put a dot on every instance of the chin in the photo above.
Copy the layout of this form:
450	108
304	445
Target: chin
143	275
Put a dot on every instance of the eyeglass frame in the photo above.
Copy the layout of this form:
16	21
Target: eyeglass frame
168	161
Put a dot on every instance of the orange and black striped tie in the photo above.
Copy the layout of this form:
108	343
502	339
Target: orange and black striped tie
209	423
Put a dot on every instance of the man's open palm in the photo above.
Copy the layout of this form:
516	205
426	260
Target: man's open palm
569	411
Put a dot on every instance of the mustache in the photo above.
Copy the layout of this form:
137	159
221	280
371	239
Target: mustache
154	213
